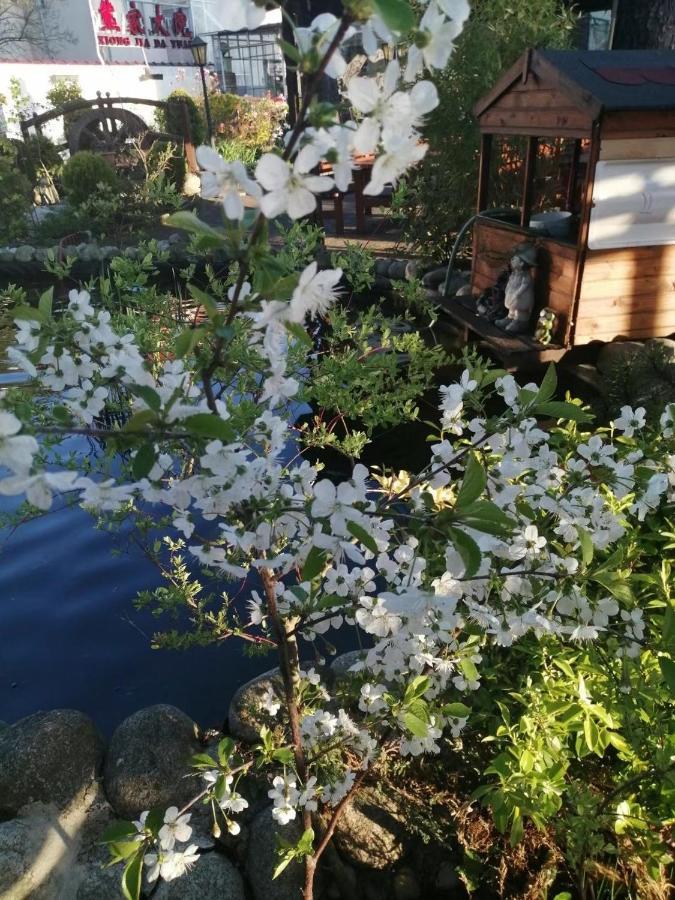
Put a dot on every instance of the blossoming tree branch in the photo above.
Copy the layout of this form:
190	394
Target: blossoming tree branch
508	531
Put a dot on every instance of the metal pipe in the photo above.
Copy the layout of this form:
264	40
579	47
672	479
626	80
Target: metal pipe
488	213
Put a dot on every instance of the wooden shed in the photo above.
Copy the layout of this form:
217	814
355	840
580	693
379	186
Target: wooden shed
596	137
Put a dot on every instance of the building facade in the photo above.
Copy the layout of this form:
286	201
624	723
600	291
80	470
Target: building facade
136	48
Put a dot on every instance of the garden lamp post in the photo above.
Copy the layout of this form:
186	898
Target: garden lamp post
199	48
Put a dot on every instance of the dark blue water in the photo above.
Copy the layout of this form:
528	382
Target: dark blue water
70	636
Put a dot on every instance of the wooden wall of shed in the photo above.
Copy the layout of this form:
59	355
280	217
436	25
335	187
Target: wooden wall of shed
554	277
626	293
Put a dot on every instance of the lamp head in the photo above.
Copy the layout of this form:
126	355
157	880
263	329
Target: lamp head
199	48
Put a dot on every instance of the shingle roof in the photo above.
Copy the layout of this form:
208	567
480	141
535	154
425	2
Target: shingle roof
620	79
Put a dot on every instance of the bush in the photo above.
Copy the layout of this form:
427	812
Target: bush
170	118
441	194
34	154
83	173
253	122
15	195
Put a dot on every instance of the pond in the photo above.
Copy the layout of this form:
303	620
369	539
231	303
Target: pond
69	634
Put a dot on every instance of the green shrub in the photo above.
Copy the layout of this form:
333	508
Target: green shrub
170	118
441	194
253	122
15	195
237	149
64	90
36	153
83	173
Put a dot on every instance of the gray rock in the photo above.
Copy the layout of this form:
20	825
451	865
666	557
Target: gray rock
24	253
20	843
174	238
397	268
49	756
246	715
371	831
212	878
382	266
666	344
263	860
96	880
617	353
148	759
447	878
342	664
405	885
435	277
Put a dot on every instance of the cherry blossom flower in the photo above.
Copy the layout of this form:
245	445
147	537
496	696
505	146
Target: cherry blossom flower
433	43
290	187
318	36
175	828
16	450
226	180
315	294
285	796
631	420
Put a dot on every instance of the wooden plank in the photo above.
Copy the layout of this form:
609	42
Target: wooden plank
638	148
661	321
664	254
637	286
626	305
528	181
543	123
484	171
645	124
532	98
625	270
510	235
586	337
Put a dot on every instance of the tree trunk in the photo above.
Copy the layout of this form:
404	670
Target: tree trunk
645	25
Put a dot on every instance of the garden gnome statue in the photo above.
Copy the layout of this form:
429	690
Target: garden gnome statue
519	296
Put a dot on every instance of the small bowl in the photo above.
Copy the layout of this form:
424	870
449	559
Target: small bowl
554	223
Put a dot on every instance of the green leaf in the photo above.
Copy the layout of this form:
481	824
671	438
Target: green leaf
526	762
287	859
205	299
268	272
283	287
306	842
132	876
284	755
456	710
186	341
117	831
148	395
590	733
144	460
415	725
121	850
45	303
516	828
473	483
486	516
586	543
468	549
225	750
615	584
314	564
290	51
29	313
155	819
469	669
548	385
298	332
668	671
140	419
330	600
209	426
563	895
417	688
201	760
188	221
557	409
396	14
362	535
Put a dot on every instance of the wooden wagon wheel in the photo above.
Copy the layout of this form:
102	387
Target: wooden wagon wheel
105	130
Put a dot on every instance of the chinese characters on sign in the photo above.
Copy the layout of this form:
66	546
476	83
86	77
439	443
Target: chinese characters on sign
142	24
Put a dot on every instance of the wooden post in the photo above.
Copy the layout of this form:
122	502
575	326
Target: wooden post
484	170
584	225
528	191
189	147
572	180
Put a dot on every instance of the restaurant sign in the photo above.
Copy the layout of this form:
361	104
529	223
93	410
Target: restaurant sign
162	30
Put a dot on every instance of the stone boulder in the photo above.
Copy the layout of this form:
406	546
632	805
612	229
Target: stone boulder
262	859
212	878
50	757
246	715
148	759
371	831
